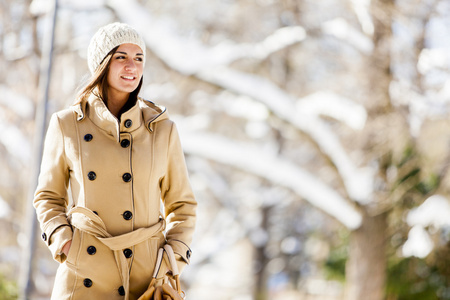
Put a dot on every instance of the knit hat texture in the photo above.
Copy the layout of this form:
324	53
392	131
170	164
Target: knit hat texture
107	38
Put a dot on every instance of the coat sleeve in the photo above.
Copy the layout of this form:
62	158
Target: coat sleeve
50	199
179	201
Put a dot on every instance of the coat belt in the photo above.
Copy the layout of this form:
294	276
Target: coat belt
87	221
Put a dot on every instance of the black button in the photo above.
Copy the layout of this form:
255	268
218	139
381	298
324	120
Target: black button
91	250
87	283
188	254
125	143
44	237
126	177
92	175
128	253
121	291
127	215
88	137
128	123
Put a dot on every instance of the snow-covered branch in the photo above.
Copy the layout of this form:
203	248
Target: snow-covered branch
16	103
361	9
12	138
15	142
275	169
434	212
5	209
334	106
189	56
341	29
358	182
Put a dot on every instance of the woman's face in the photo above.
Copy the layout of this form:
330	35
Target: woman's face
125	71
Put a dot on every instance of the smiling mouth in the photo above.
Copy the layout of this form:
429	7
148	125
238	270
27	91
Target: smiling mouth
128	77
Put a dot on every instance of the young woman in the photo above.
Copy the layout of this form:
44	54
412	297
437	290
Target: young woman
116	156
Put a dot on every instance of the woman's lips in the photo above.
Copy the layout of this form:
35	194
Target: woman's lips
128	77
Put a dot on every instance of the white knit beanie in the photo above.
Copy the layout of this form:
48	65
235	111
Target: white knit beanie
107	38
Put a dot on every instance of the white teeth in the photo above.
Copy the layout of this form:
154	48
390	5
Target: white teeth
128	77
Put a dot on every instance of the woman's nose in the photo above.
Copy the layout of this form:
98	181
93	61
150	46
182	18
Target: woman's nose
130	65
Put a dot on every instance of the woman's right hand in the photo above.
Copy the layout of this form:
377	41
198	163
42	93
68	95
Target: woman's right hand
66	247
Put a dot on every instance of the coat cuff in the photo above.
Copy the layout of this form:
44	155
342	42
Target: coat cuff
182	253
51	226
57	240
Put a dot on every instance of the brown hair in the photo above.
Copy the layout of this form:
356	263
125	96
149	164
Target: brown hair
98	84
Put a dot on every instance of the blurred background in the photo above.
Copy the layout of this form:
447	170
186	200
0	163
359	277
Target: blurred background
316	133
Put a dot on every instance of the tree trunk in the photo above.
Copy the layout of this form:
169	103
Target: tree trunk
367	263
260	291
366	266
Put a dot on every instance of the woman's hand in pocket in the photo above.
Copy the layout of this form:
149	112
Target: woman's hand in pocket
66	247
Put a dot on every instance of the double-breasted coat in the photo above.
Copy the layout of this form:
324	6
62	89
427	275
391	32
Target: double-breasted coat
115	174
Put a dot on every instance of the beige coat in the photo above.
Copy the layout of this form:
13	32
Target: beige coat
116	175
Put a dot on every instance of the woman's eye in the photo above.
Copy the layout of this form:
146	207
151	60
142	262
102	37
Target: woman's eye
139	59
120	57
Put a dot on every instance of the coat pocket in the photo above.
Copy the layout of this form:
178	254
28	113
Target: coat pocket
74	248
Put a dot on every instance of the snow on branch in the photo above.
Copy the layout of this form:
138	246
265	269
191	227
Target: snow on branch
342	30
278	170
5	209
189	56
280	39
434	212
358	182
12	138
334	106
15	142
16	102
361	8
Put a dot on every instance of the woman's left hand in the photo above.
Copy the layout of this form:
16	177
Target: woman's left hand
66	247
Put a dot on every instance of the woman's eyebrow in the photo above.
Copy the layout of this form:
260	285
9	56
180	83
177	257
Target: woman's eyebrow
127	53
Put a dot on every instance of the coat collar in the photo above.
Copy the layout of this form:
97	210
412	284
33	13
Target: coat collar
144	112
152	113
